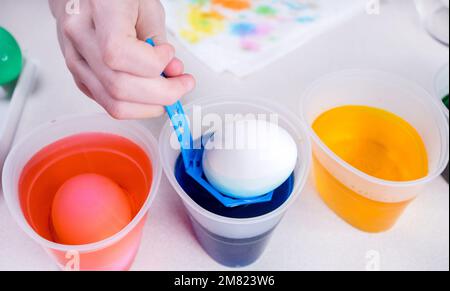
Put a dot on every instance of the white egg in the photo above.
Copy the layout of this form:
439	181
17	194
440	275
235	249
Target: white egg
249	158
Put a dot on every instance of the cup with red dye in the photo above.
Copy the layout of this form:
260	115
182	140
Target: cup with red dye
82	187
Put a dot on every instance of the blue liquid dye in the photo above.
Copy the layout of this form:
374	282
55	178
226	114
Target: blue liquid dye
208	202
226	251
232	253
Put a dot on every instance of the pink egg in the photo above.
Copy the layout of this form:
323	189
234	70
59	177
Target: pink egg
89	208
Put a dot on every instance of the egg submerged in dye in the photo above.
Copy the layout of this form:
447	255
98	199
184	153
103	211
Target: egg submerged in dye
89	208
249	158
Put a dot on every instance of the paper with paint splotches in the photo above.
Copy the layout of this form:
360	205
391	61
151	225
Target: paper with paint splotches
242	36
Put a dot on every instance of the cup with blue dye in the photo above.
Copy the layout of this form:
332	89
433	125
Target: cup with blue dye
238	236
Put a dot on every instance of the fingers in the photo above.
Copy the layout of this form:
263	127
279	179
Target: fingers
117	109
89	84
150	91
113	67
72	57
130	88
174	68
121	48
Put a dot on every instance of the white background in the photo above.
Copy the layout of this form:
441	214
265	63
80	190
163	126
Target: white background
311	237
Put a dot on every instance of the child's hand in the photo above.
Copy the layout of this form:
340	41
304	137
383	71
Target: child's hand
104	49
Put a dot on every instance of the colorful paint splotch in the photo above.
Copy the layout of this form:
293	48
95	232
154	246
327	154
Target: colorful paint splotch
202	24
266	10
249	32
234	4
247	21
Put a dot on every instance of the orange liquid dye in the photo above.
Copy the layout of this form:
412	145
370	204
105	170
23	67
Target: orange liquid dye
377	143
107	155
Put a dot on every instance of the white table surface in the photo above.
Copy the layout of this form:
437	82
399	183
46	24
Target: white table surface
311	237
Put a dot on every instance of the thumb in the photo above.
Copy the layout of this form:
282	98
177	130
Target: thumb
151	22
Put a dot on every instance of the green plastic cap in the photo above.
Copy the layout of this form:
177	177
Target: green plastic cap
10	58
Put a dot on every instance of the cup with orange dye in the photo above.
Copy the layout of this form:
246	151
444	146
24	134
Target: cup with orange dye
378	140
81	187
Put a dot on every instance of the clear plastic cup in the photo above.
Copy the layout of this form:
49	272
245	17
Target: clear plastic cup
366	202
114	253
442	90
442	86
434	15
231	241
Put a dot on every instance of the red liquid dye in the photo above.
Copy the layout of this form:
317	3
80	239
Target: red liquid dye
108	155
